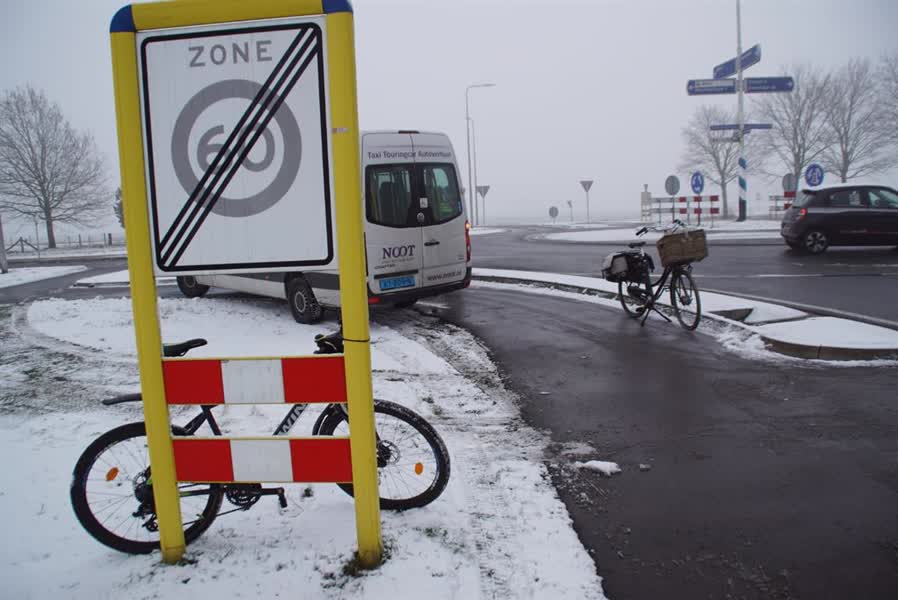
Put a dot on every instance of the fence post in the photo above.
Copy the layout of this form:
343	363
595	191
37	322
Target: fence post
4	265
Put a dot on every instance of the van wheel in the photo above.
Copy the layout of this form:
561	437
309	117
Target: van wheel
302	301
191	288
815	241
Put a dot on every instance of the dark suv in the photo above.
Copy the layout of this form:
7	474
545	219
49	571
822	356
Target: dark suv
859	215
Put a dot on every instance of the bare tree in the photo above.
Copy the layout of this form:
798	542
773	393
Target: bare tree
48	171
117	207
855	118
799	134
710	152
888	94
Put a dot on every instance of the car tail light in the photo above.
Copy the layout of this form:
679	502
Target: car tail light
468	239
801	213
373	300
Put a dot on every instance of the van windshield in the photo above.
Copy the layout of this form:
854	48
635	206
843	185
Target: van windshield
394	194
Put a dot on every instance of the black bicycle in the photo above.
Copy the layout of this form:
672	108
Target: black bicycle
112	486
639	293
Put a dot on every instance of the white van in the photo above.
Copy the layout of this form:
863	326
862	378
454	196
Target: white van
417	236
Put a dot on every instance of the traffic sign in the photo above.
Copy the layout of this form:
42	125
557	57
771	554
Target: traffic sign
482	190
813	175
755	85
553	211
700	87
238	146
750	57
789	183
586	183
746	127
697	181
672	185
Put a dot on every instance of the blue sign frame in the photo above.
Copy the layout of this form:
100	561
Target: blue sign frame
697	181
813	175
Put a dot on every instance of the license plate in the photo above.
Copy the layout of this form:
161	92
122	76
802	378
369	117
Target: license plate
395	283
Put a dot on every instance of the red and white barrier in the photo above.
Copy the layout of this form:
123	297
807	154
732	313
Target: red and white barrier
304	379
255	381
320	459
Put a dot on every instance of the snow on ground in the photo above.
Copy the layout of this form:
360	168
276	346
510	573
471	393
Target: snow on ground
833	332
629	235
71	252
485	230
20	275
117	278
486	537
602	466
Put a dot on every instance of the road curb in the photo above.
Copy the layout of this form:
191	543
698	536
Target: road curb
806	351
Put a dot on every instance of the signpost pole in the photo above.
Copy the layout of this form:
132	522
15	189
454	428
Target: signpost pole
743	184
143	295
4	266
353	284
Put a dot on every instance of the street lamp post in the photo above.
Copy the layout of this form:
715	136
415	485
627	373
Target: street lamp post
472	193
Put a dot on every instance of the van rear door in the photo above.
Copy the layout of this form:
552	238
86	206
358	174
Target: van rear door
443	233
393	230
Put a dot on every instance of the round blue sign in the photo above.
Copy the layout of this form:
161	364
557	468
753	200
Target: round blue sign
813	175
698	182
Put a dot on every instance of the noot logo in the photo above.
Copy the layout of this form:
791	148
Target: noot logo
212	141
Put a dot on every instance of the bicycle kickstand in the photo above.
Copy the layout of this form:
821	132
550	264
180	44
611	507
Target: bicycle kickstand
652	307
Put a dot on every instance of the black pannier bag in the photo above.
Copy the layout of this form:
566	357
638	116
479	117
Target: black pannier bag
626	266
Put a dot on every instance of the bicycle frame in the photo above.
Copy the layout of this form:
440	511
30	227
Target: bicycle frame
284	428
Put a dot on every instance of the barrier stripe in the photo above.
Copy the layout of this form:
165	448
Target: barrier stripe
713	198
322	459
255	381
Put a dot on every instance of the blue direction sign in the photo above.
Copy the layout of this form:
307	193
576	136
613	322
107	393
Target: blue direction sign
699	87
813	175
698	182
750	57
746	127
754	85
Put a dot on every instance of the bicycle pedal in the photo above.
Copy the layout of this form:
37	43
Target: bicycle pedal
282	499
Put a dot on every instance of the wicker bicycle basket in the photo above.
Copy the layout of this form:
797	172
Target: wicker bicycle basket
681	248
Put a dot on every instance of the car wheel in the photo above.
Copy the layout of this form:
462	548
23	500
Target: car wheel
815	241
190	287
303	304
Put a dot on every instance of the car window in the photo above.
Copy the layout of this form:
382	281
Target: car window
846	199
389	195
441	190
880	198
805	198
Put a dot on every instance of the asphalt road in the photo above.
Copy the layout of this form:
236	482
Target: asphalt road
856	280
764	480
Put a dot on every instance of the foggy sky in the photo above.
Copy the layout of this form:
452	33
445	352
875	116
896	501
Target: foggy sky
584	90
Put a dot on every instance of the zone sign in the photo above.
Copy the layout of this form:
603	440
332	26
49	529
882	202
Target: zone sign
237	148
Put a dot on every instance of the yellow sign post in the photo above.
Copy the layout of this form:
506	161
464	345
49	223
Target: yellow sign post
185	243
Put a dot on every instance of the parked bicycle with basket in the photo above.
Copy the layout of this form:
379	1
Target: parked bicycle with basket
632	270
112	485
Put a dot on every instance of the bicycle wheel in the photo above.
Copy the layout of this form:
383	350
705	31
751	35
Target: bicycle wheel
412	460
685	300
633	310
112	493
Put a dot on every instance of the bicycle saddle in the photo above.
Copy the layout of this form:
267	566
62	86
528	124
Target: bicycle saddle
636	244
170	350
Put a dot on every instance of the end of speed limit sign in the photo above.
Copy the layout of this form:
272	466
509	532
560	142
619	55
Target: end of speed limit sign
236	121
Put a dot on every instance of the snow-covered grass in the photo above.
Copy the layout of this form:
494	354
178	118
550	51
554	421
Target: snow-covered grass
498	531
117	278
69	253
20	275
629	235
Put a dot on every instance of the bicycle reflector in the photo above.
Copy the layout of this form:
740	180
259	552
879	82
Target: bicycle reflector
419	468
111	473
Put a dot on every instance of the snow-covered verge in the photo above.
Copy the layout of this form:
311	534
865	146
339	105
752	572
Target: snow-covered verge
485	230
498	531
20	275
629	235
